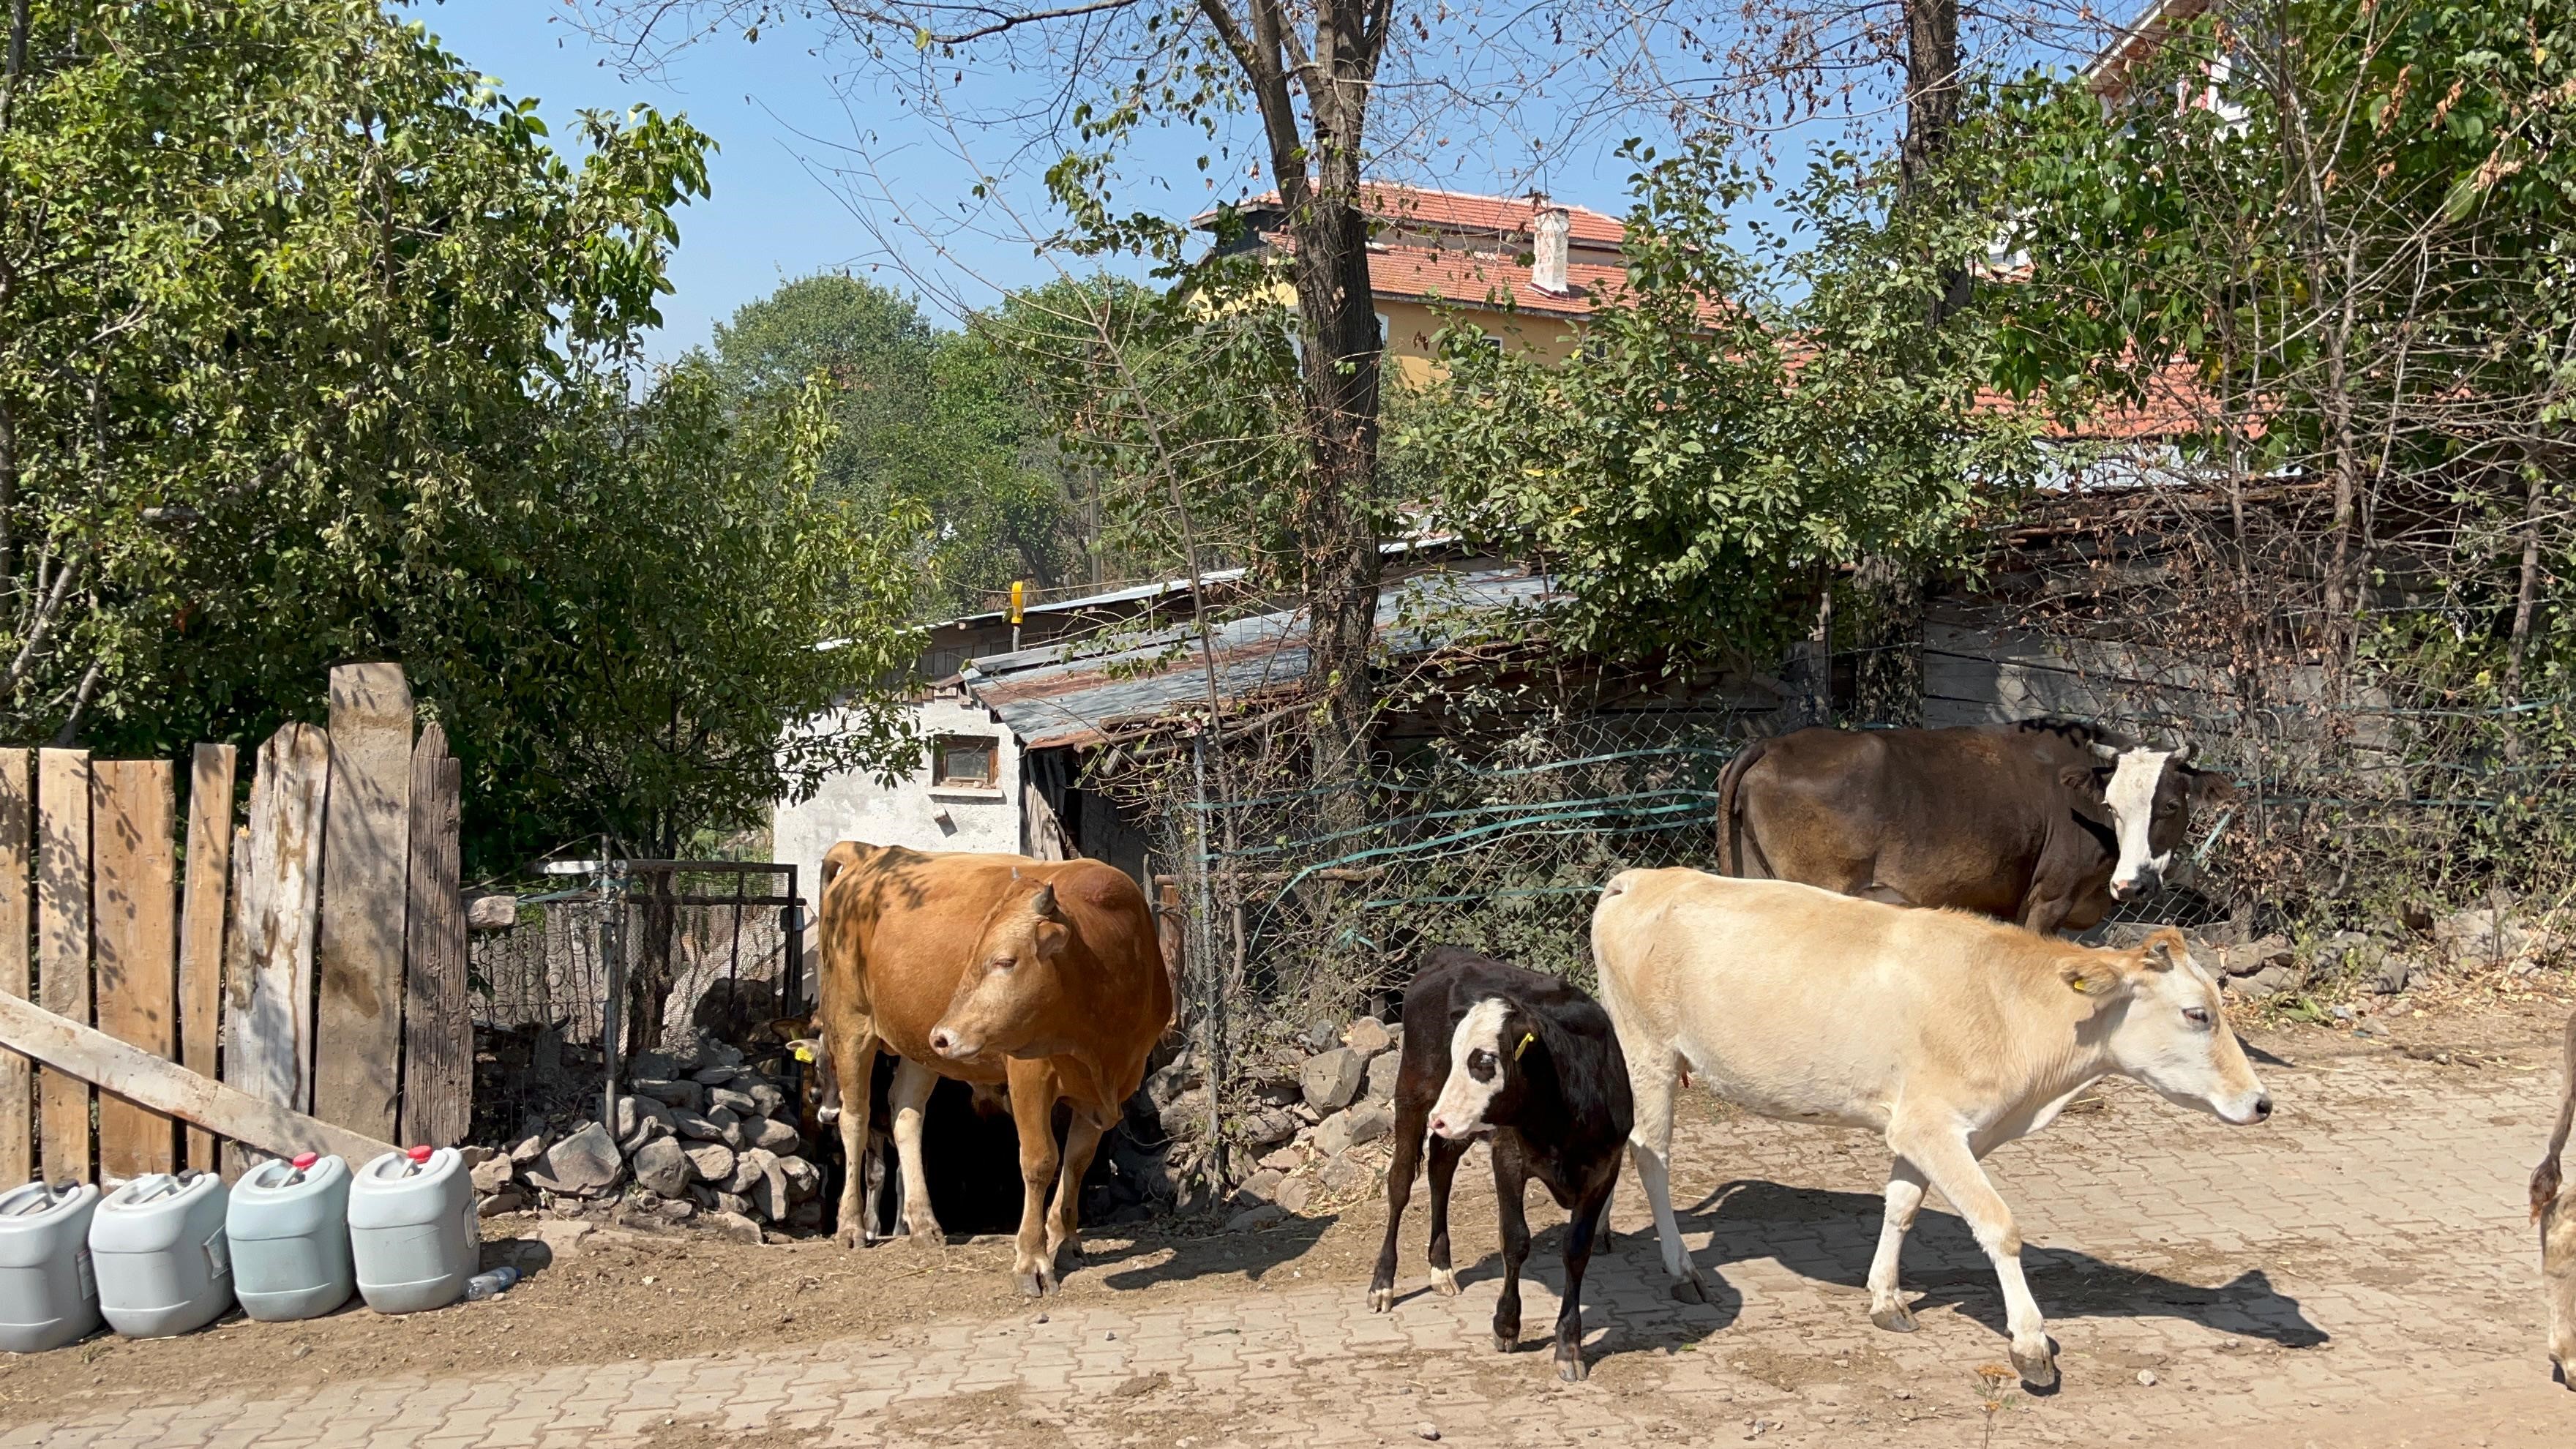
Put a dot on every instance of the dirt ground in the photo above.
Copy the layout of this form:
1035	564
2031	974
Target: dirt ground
598	1295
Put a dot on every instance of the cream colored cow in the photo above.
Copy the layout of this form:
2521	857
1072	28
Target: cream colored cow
1947	1033
2555	1211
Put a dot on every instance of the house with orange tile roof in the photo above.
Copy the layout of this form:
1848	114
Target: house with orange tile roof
1528	270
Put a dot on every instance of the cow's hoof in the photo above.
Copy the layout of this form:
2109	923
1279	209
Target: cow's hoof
1573	1370
926	1241
1507	1343
1444	1281
1030	1285
2039	1370
1899	1319
852	1238
1689	1289
1381	1300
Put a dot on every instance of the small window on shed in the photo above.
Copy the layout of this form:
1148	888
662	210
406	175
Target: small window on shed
962	762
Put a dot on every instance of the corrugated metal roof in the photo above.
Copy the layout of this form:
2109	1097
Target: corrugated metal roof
1075	692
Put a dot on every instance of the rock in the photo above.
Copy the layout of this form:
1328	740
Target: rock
507	1200
714	1076
733	1202
627	1117
2393	974
1185	1115
493	1174
562	1236
2255	956
528	1148
1426	1430
1345	1130
1381	1076
710	1162
653	1123
491	912
731	1226
2146	1378
738	1103
1261	1187
2269	982
1368	1036
804	1179
656	1066
772	1135
770	1194
676	1210
767	1099
663	1167
1260	1217
1275	1091
1317	1036
473	1157
2482	936
692	1049
1286	1159
737	1132
1332	1078
583	1165
748	1169
1268	1130
1343	1175
1294	1194
687	1095
696	1126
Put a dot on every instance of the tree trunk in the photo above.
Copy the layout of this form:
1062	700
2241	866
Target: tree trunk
1931	87
1335	525
2526	597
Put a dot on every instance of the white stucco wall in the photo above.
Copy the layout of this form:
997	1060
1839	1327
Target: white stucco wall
912	812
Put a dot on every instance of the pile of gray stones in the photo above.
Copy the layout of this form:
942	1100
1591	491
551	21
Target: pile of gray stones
1311	1120
698	1137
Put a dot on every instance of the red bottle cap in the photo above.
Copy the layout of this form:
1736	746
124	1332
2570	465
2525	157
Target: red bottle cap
303	1161
419	1154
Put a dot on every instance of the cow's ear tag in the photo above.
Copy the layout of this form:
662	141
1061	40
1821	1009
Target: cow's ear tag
1526	1039
804	1054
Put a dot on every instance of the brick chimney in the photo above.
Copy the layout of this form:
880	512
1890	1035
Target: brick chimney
1548	229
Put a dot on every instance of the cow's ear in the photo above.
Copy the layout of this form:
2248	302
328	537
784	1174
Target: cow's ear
2210	789
2078	777
2095	975
789	1028
1043	904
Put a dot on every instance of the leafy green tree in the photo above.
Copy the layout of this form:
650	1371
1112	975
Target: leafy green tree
1735	428
311	349
921	415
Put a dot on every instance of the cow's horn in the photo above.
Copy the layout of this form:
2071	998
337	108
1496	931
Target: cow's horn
2181	752
1043	903
2106	750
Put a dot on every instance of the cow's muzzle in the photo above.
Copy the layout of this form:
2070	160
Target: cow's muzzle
950	1045
2137	888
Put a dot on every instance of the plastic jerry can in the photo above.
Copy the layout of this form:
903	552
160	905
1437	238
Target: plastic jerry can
48	1292
164	1266
413	1231
289	1227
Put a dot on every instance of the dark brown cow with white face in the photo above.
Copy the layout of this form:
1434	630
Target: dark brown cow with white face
1043	977
2047	823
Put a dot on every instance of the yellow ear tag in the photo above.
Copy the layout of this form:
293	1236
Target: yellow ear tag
804	1054
1526	1039
2079	984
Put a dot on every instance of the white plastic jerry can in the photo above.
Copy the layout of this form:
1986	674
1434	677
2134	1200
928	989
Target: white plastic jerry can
164	1266
289	1228
48	1291
412	1230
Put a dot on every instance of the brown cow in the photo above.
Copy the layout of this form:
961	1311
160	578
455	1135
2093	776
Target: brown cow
2556	1213
994	970
2044	822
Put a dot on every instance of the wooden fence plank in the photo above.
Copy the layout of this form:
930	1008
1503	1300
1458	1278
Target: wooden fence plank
277	875
67	1047
62	945
17	1076
438	1032
357	1061
133	900
201	923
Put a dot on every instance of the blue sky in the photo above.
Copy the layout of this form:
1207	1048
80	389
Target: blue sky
819	172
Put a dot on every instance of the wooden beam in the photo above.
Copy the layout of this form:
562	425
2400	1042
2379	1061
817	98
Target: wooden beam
62	944
70	1049
133	902
268	985
357	1041
17	1079
438	1032
201	923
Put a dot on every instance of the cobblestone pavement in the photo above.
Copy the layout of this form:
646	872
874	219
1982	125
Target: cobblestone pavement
2356	1273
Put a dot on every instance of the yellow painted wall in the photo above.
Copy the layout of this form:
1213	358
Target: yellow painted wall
1411	326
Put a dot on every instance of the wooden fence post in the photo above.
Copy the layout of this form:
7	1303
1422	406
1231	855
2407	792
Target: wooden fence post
17	822
357	1064
277	877
438	1033
62	945
133	901
201	924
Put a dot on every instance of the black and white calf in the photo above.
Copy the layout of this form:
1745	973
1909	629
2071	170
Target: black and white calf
1491	1048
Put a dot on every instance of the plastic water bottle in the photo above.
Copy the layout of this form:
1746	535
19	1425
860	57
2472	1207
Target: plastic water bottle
490	1285
302	1163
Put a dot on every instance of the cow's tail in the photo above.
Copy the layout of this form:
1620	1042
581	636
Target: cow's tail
1730	822
2544	1178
